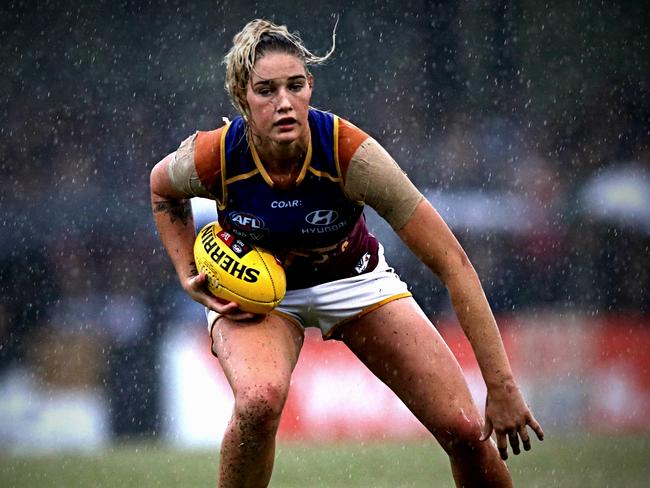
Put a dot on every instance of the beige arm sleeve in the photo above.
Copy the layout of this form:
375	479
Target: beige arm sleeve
374	178
182	171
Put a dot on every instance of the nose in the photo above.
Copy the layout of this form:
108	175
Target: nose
283	102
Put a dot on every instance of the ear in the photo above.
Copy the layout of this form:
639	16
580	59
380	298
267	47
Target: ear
310	81
241	98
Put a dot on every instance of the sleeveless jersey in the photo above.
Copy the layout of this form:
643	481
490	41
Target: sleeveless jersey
313	227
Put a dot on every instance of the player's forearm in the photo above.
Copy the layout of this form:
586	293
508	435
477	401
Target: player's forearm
175	225
431	240
480	327
172	214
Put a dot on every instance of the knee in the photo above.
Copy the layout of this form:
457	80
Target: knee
259	407
461	437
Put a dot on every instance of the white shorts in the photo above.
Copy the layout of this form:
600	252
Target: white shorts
329	305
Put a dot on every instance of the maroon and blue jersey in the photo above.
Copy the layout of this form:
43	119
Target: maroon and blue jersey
313	227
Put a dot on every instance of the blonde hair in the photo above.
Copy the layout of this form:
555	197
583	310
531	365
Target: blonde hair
257	38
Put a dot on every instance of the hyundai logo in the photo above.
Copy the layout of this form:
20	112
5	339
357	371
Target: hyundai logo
322	217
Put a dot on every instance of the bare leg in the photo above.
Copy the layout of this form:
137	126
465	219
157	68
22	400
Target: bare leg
258	359
403	349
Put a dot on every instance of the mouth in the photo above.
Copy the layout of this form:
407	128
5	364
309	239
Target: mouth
285	122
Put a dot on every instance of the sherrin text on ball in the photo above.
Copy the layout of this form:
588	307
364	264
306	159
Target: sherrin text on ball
238	271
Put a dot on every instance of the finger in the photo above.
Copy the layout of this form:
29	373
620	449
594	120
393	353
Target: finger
514	441
229	308
198	282
201	277
213	304
523	433
241	316
536	427
502	445
486	432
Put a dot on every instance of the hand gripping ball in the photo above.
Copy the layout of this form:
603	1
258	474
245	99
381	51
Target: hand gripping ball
238	271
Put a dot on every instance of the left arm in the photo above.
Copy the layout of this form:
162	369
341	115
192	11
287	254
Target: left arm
373	177
427	235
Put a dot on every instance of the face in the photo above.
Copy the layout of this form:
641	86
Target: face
278	96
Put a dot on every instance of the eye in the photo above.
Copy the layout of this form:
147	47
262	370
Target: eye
264	89
296	87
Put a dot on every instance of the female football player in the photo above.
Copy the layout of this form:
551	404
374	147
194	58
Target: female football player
295	179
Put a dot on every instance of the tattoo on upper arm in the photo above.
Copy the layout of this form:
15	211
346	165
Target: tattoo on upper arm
176	209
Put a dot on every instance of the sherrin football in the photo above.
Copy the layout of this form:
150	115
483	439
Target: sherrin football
239	272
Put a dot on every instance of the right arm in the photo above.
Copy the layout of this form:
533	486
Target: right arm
173	217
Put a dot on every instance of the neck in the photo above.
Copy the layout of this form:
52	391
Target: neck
280	157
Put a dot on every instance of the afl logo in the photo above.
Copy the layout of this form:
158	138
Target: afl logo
247	222
322	217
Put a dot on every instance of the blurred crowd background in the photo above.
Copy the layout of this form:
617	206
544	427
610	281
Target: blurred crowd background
526	123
